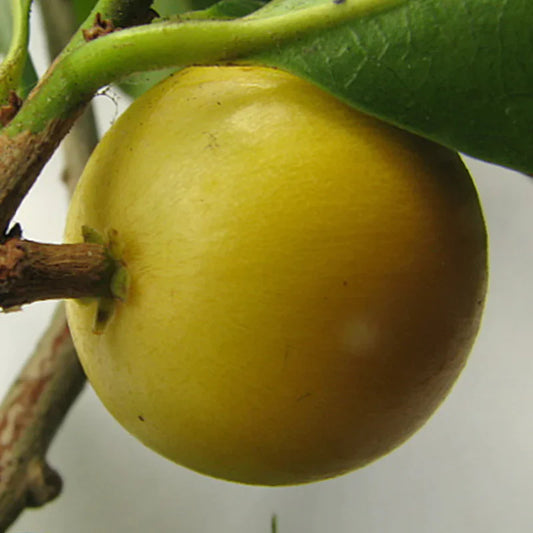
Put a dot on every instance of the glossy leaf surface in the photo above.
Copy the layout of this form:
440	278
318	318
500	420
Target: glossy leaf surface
457	71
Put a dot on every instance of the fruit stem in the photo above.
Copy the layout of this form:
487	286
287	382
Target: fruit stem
32	271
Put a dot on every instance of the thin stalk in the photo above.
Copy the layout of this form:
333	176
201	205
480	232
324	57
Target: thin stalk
79	74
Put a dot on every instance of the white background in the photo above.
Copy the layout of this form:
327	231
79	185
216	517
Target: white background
470	469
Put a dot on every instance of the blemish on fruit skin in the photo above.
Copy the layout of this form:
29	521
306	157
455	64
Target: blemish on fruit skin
303	396
358	335
212	142
141	418
287	354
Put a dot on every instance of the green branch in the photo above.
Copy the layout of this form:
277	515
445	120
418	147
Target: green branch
23	156
12	68
80	73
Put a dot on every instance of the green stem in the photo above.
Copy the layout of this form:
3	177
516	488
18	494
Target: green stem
12	68
79	74
59	20
23	156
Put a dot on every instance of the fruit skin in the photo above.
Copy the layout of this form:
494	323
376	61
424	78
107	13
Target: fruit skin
306	281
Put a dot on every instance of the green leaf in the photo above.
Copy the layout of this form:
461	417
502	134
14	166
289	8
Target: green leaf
166	8
29	78
137	84
15	75
82	8
459	72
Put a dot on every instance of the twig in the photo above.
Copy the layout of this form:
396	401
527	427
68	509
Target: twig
32	271
22	159
24	154
30	416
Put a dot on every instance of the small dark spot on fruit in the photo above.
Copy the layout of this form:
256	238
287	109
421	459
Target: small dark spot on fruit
345	283
303	396
141	418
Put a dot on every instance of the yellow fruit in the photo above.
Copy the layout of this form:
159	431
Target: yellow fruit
306	281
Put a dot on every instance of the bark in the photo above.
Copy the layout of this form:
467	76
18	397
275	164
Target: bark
22	158
31	271
30	415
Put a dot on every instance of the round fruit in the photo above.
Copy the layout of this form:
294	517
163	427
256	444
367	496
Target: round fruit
306	281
